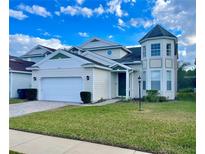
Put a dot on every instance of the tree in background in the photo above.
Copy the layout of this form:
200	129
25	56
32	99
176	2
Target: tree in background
186	76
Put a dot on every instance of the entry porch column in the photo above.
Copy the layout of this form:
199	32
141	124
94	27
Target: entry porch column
127	84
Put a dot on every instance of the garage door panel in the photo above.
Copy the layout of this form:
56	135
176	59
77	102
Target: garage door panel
61	89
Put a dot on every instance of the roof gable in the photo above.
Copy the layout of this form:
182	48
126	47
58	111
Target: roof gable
39	50
60	56
97	43
157	31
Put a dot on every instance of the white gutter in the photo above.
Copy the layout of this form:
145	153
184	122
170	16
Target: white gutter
96	66
124	66
13	71
134	62
159	37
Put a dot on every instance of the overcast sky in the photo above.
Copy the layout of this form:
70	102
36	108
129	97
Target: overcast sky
63	23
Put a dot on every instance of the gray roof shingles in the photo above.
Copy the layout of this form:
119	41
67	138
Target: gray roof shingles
131	57
157	31
17	64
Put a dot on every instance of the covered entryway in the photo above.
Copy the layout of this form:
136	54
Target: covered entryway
123	79
61	89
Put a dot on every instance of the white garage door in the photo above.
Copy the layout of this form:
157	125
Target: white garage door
61	89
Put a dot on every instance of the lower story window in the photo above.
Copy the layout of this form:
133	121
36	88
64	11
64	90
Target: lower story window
155	80
169	81
144	81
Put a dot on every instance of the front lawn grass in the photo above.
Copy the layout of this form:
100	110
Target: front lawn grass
16	100
13	152
160	128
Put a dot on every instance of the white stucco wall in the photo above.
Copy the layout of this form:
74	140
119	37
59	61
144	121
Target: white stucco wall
18	81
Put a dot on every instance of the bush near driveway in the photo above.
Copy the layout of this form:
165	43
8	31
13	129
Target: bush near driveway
153	96
30	94
85	96
160	128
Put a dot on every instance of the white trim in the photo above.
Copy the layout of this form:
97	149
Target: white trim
134	62
60	51
11	85
124	66
157	38
127	84
93	89
23	72
133	46
96	38
105	59
40	55
96	66
98	56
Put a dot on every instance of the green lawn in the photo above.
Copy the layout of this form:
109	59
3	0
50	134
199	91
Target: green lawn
160	128
16	100
13	152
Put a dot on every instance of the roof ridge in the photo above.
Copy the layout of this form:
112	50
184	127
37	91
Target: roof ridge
158	31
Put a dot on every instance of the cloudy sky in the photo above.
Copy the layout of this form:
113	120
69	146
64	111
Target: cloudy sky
63	23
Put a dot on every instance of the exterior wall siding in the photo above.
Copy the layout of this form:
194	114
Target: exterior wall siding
101	84
134	85
34	59
18	81
116	53
114	90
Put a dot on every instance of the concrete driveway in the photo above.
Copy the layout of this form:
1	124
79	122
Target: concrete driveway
34	106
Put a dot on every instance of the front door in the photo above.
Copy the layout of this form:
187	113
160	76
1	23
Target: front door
121	84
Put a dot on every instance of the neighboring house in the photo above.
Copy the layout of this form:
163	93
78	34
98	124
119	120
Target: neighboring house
19	77
37	53
109	70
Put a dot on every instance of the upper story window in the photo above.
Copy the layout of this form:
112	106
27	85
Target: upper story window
144	51
155	49
169	49
155	80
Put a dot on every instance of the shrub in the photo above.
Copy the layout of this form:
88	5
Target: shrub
186	96
85	96
153	96
186	90
152	92
29	94
162	99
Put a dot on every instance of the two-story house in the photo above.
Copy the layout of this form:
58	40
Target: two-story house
109	70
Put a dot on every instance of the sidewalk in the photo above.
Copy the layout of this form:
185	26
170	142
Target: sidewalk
30	143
